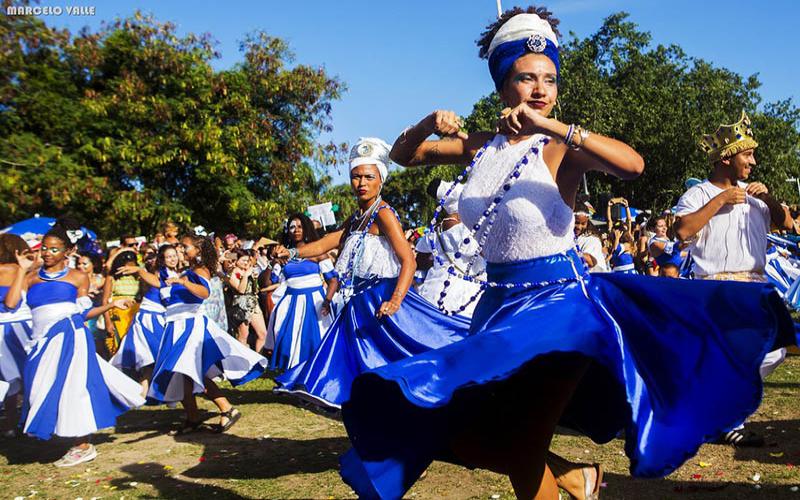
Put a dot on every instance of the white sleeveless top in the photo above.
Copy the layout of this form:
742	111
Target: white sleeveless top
374	258
532	220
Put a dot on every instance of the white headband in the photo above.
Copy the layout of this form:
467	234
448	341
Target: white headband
522	26
451	203
371	151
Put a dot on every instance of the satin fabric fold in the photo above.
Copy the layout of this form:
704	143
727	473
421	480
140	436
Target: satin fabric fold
672	362
358	341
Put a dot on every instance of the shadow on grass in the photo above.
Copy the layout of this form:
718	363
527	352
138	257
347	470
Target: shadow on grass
168	486
227	456
782	447
28	450
624	488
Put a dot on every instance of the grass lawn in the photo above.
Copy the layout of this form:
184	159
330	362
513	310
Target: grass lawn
281	449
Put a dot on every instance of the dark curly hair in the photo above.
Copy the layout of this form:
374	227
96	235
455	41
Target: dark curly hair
486	37
9	245
309	231
209	258
60	228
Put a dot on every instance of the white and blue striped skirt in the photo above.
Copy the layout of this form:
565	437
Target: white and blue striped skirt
70	391
139	346
298	324
15	341
195	347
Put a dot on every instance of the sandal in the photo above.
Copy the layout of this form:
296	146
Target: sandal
592	491
188	427
233	415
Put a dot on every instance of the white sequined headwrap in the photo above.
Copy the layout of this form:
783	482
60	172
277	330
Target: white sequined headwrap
371	151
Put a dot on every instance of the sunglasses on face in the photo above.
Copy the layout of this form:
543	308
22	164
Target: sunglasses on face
52	250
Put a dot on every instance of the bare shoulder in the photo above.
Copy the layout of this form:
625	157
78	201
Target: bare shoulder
78	277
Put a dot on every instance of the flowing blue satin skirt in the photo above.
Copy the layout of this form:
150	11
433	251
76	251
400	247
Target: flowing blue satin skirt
672	362
358	341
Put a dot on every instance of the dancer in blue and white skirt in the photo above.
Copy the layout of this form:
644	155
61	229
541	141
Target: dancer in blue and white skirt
70	391
139	347
194	349
674	363
383	320
15	323
303	313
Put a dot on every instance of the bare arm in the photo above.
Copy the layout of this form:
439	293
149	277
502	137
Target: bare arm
686	226
148	277
107	288
240	285
597	152
778	214
413	149
322	245
390	227
25	262
194	288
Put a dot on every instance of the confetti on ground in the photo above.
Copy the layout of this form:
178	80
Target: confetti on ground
756	477
697	476
704	464
776	455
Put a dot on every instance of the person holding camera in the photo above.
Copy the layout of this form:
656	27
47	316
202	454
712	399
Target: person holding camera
245	311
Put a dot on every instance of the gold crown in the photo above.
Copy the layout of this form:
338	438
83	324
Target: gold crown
729	140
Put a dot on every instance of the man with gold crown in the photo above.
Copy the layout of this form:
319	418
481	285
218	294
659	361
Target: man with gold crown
727	221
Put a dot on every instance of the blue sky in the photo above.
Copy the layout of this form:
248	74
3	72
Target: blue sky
402	59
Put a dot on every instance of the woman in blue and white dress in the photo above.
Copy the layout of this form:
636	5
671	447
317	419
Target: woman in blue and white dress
139	347
70	391
673	363
621	260
194	349
662	248
303	313
383	320
15	323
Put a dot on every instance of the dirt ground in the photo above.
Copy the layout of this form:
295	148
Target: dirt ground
281	449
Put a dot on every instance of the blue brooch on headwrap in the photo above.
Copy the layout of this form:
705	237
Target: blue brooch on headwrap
522	34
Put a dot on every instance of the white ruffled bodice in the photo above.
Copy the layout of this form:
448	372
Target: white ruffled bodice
532	220
45	316
374	257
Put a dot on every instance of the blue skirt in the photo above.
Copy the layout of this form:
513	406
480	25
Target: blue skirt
194	348
358	341
298	326
672	362
15	340
139	347
70	391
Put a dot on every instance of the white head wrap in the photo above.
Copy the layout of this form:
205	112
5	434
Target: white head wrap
371	151
522	26
451	203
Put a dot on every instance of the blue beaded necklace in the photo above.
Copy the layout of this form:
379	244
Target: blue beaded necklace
485	222
355	256
53	276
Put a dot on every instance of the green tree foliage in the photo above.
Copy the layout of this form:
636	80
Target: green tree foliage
130	126
658	100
